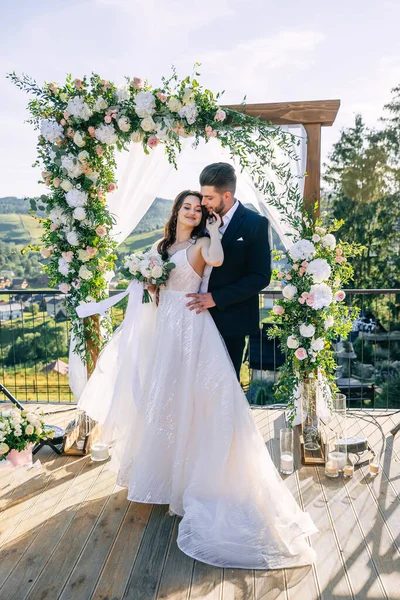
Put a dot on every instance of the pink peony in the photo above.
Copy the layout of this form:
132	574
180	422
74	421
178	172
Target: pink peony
302	300
111	187
56	182
210	131
99	151
137	83
220	115
91	131
162	97
153	141
68	256
340	296
101	230
278	310
301	353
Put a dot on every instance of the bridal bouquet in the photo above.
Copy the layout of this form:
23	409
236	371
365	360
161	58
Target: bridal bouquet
19	428
149	268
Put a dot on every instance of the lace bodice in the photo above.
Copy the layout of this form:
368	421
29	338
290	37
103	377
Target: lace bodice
183	278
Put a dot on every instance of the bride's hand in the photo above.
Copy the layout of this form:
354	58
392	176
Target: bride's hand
216	223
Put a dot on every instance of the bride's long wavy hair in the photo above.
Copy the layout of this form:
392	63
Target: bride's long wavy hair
170	227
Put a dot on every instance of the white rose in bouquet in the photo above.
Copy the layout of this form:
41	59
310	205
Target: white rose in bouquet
76	198
83	256
4	449
72	238
156	272
302	250
78	139
137	136
148	124
100	105
66	185
322	295
145	269
83	156
289	291
319	269
292	342
51	130
29	429
329	241
79	109
307	330
145	104
85	273
106	134
124	124
318	344
79	213
174	104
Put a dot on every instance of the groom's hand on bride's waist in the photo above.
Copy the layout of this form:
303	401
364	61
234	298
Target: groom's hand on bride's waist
200	302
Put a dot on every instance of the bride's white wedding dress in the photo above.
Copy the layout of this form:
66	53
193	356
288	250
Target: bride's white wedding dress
166	391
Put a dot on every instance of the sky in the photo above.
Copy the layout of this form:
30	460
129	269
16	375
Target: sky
267	51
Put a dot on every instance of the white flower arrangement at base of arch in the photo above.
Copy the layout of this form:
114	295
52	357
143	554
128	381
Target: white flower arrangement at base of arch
81	124
312	315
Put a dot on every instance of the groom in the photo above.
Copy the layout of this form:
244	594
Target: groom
230	292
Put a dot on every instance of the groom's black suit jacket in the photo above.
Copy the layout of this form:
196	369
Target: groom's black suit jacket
246	270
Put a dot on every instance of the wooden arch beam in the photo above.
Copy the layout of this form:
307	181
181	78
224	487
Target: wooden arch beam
313	115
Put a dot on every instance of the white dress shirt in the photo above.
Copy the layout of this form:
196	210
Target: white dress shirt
208	268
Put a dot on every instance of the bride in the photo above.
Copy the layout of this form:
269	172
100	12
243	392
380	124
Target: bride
166	393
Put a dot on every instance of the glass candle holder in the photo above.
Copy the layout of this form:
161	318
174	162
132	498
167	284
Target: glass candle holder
374	466
331	458
348	470
286	454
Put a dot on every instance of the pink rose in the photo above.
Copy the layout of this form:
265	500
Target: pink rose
295	267
101	230
220	115
56	182
339	251
78	83
64	288
66	114
301	353
107	119
288	277
280	275
340	296
137	83
63	122
302	300
277	309
340	259
304	264
162	97
91	131
302	270
111	187
45	252
68	256
304	295
310	300
99	151
91	251
210	131
54	227
153	141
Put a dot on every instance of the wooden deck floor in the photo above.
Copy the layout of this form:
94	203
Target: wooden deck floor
67	532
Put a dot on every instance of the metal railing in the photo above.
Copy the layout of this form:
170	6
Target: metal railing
34	342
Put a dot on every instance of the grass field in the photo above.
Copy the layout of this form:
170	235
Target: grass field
20	229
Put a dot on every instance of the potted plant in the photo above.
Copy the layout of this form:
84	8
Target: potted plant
19	431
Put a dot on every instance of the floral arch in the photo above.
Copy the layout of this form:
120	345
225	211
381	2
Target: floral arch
84	121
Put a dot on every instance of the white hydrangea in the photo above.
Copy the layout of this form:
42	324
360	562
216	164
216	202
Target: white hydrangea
100	105
319	269
123	93
51	130
72	238
302	250
145	104
63	266
85	273
106	134
189	112
79	109
307	330
76	198
71	165
58	216
79	213
124	124
322	295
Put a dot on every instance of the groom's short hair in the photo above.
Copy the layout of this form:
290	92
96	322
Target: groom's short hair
220	175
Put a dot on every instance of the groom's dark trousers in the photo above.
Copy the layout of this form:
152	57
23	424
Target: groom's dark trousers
235	285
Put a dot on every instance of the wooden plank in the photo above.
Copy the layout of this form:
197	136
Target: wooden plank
145	578
206	582
178	570
293	113
312	185
80	519
94	553
238	584
115	575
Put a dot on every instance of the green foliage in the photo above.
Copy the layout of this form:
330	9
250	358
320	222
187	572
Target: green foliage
47	342
261	392
390	393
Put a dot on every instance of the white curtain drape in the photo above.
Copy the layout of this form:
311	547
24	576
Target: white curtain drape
143	177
